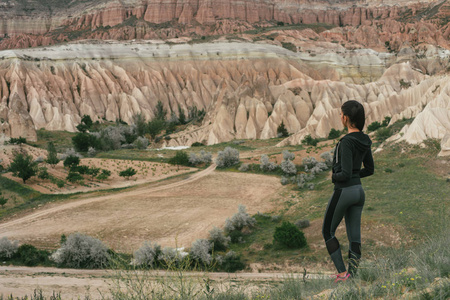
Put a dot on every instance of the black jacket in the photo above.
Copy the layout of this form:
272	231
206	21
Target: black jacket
350	153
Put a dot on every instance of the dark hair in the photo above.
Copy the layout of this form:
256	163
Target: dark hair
355	112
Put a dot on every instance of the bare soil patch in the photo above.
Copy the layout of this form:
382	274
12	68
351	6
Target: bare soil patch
174	216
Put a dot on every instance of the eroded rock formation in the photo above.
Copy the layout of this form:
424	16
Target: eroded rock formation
246	89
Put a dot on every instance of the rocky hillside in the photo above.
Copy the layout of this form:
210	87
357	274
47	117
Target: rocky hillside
385	24
249	64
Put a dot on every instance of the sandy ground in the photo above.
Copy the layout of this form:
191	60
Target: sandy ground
172	215
76	284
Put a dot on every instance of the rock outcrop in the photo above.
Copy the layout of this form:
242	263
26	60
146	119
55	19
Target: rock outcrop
246	89
379	25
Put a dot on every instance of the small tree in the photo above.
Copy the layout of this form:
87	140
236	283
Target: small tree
52	156
104	175
74	177
127	173
23	166
181	116
43	173
282	131
139	122
71	161
86	123
93	172
155	126
161	112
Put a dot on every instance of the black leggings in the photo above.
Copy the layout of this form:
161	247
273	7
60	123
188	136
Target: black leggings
346	202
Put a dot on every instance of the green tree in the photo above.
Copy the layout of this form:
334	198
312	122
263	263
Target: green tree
181	116
161	112
93	172
71	161
282	131
86	123
23	166
74	176
43	173
127	173
52	156
82	141
139	122
155	126
104	175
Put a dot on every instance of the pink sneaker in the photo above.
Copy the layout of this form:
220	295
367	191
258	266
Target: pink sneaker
341	278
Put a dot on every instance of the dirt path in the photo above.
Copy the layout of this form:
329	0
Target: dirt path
71	205
75	284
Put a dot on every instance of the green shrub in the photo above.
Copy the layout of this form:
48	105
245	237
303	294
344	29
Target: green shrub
373	126
289	235
74	177
334	134
282	131
232	262
180	158
127	173
71	161
383	134
308	140
31	256
43	173
197	144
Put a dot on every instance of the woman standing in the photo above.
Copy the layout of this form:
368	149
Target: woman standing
352	151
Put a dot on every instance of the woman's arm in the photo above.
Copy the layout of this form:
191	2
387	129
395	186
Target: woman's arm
346	161
369	166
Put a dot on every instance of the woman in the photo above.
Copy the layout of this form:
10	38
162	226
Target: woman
350	153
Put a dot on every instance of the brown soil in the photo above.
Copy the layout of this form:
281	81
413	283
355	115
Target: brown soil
172	215
76	284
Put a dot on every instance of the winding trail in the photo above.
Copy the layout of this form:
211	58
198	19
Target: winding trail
139	191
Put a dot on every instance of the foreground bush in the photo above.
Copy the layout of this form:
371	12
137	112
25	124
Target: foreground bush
227	158
147	255
201	251
266	165
289	235
81	251
181	158
218	239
